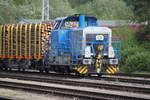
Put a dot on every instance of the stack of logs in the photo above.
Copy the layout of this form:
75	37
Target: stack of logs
25	40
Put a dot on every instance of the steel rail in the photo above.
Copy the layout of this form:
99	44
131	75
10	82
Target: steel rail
130	75
126	80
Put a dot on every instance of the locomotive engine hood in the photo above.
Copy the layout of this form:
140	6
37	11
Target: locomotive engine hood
105	32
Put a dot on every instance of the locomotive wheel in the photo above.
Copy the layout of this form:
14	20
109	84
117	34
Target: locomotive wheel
19	69
1	69
46	70
99	75
9	69
65	70
41	70
23	70
5	69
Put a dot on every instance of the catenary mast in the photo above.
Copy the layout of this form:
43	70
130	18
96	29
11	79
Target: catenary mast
45	10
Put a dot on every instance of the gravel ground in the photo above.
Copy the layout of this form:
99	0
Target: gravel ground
21	95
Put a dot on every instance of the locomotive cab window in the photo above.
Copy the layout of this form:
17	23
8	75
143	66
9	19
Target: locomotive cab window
57	25
69	24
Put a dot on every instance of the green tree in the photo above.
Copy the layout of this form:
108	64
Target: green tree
14	10
103	9
141	10
60	8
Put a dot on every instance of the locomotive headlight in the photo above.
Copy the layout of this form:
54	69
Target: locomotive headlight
87	61
87	52
113	61
99	37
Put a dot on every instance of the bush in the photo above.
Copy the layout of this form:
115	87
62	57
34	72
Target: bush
129	52
142	32
135	51
137	62
145	45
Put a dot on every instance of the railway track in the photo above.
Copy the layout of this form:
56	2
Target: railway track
121	77
82	92
98	84
113	87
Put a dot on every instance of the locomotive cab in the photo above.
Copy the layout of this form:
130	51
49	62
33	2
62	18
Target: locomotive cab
79	43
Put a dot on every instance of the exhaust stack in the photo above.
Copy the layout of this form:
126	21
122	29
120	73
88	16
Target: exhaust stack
81	20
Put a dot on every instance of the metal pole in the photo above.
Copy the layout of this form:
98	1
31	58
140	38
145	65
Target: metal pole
42	9
45	9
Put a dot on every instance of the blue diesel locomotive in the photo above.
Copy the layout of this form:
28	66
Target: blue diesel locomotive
79	44
75	44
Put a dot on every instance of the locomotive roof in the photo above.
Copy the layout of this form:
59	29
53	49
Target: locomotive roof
102	30
75	18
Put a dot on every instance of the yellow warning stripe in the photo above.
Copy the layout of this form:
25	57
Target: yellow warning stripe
12	27
30	40
35	42
26	26
108	71
21	40
83	69
79	68
111	70
0	41
40	40
17	41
